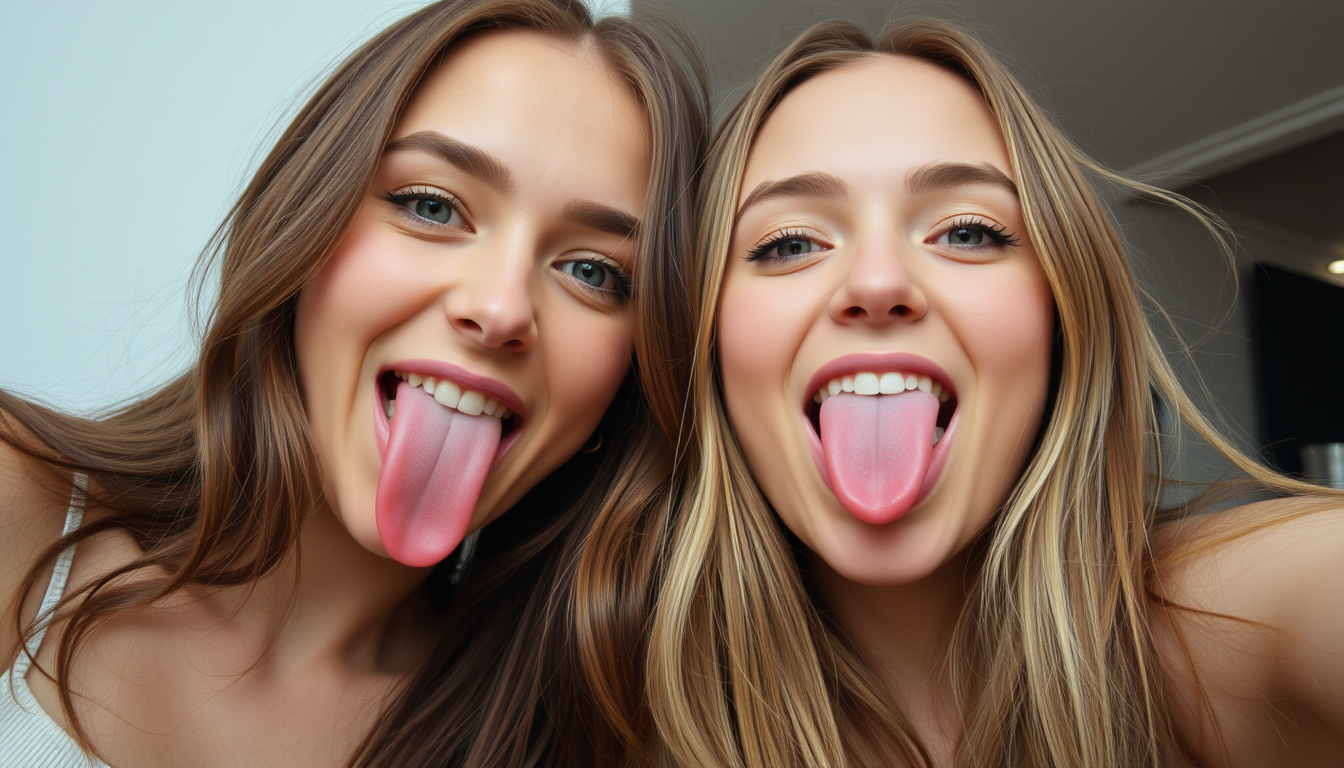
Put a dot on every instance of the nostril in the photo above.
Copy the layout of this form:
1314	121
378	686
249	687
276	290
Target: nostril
901	310
468	325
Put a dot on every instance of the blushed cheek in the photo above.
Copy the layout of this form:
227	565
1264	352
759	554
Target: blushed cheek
360	292
754	346
1008	335
761	325
586	364
1007	325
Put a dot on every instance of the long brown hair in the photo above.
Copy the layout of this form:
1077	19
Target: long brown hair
214	474
1052	657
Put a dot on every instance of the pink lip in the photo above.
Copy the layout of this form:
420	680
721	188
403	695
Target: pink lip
877	362
458	375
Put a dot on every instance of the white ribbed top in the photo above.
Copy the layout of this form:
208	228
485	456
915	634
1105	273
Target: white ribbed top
29	738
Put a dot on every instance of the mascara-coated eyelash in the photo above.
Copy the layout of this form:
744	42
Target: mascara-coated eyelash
623	284
968	227
761	251
433	207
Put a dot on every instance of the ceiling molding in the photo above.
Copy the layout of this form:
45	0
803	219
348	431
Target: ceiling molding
1247	142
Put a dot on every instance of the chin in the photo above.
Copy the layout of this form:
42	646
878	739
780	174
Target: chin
883	556
879	572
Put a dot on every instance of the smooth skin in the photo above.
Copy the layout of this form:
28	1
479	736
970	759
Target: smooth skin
873	260
506	281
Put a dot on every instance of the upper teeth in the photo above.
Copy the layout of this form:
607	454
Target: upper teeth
891	383
452	395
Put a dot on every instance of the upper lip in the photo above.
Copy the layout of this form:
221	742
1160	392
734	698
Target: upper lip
463	378
877	362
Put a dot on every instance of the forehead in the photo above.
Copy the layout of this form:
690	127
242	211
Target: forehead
547	107
881	116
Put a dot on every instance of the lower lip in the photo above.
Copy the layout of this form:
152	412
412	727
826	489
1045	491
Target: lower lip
382	428
936	462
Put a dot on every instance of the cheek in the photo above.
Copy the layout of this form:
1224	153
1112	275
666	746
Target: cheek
364	289
586	361
356	296
1006	327
760	326
1014	346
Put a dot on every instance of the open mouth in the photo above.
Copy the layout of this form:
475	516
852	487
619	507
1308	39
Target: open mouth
880	437
440	431
451	395
872	384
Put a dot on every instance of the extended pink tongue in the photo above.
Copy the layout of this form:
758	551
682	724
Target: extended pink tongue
435	464
877	450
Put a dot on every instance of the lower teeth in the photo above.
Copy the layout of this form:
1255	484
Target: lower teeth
389	408
937	434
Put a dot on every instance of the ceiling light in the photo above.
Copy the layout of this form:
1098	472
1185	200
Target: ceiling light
1335	267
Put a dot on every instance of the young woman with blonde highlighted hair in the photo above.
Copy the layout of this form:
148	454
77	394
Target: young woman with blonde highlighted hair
927	526
462	263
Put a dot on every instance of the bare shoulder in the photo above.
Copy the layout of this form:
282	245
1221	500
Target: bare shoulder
1263	562
32	515
1253	635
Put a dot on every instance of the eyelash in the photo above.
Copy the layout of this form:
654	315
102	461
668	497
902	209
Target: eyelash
399	198
758	252
996	232
624	285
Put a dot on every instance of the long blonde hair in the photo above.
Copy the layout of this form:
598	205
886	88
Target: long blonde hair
1053	659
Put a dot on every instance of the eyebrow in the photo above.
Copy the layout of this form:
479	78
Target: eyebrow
472	160
810	184
943	175
601	217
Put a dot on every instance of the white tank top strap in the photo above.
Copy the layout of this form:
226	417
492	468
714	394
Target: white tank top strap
29	737
56	587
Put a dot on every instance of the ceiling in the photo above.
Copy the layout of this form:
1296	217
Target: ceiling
1252	196
1130	81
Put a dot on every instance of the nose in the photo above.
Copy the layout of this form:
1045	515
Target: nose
494	307
878	289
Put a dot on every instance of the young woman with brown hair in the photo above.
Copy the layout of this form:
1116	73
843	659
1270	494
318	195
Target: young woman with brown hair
928	523
461	262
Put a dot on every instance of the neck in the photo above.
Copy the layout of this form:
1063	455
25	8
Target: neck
334	602
904	631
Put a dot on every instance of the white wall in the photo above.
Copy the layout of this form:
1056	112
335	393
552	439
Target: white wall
126	129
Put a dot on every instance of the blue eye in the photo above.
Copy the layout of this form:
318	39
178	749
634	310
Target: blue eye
436	211
589	272
429	205
784	247
974	234
598	276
